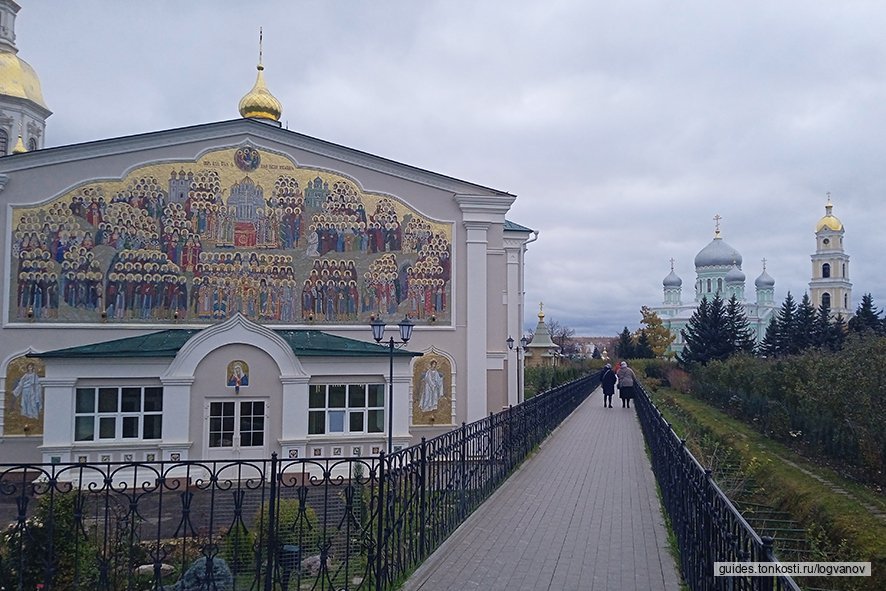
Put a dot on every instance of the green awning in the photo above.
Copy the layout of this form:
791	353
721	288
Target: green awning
167	343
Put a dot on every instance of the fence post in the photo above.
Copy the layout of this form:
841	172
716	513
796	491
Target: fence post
766	583
464	470
490	441
379	524
423	498
272	525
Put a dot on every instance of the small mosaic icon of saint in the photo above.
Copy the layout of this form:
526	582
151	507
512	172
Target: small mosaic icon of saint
27	390
238	375
431	387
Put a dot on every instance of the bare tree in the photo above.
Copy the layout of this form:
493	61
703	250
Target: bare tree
562	337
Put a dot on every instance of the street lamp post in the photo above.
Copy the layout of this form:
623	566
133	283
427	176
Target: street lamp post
521	347
378	333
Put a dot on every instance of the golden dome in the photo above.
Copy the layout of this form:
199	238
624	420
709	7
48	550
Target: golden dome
18	79
829	220
259	103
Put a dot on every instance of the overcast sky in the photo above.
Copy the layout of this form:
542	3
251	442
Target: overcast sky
622	127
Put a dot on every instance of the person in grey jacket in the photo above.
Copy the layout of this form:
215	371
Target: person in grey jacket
626	380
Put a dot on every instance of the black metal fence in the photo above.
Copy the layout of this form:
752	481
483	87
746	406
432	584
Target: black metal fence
331	523
708	527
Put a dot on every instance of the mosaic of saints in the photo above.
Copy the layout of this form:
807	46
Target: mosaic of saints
201	243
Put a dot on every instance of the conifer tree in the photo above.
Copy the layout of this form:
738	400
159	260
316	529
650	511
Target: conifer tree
642	348
738	329
826	334
768	346
867	317
786	327
624	348
705	335
804	325
841	329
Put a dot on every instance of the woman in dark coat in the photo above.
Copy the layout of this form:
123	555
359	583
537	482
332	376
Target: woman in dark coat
608	380
626	379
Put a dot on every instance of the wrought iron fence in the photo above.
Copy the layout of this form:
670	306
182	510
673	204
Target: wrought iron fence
707	525
331	523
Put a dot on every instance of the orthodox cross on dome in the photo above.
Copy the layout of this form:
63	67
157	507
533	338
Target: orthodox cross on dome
541	310
717	219
764	263
260	39
672	264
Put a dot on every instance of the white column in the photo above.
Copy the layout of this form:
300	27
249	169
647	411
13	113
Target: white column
513	299
479	212
475	322
294	414
401	434
177	417
58	412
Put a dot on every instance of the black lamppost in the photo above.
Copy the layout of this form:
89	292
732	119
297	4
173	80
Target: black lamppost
521	347
378	333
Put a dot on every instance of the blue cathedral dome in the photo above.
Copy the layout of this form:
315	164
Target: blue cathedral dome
672	280
734	275
717	254
764	281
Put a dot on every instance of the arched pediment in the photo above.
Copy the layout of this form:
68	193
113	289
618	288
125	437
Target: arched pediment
236	330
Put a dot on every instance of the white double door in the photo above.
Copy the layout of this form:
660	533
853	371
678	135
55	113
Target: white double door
236	429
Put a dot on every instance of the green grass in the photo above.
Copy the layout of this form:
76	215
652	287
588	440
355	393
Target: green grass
809	492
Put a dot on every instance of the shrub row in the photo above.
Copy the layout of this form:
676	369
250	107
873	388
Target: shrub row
825	405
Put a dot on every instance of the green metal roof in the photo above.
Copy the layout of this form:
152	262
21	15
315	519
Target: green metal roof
167	343
515	227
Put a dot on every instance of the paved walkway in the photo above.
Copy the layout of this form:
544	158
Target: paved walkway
580	515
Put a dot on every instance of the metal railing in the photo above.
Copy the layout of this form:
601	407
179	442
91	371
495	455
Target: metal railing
330	523
707	525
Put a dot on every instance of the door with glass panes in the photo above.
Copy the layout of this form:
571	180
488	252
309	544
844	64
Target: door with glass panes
236	429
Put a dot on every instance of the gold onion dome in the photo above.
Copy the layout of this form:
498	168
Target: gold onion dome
829	220
18	79
259	103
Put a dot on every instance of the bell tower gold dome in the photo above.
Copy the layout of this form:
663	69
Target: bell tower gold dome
259	103
829	221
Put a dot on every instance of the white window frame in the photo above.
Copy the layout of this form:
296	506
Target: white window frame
331	410
237	421
116	416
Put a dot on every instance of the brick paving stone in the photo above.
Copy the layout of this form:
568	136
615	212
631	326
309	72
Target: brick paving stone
581	514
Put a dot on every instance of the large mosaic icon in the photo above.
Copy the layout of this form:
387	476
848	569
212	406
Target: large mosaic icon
239	231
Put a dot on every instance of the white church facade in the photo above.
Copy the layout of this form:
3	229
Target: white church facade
207	291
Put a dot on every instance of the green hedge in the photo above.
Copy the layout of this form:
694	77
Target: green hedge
823	404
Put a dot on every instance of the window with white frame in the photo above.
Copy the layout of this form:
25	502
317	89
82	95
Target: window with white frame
346	408
118	413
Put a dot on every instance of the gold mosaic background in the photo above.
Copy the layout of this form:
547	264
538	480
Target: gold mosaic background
240	230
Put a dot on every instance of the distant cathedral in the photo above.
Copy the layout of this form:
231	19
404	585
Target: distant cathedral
718	272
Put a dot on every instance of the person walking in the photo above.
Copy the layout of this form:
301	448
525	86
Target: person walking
608	380
626	380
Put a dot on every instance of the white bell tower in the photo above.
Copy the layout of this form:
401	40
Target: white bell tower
830	266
